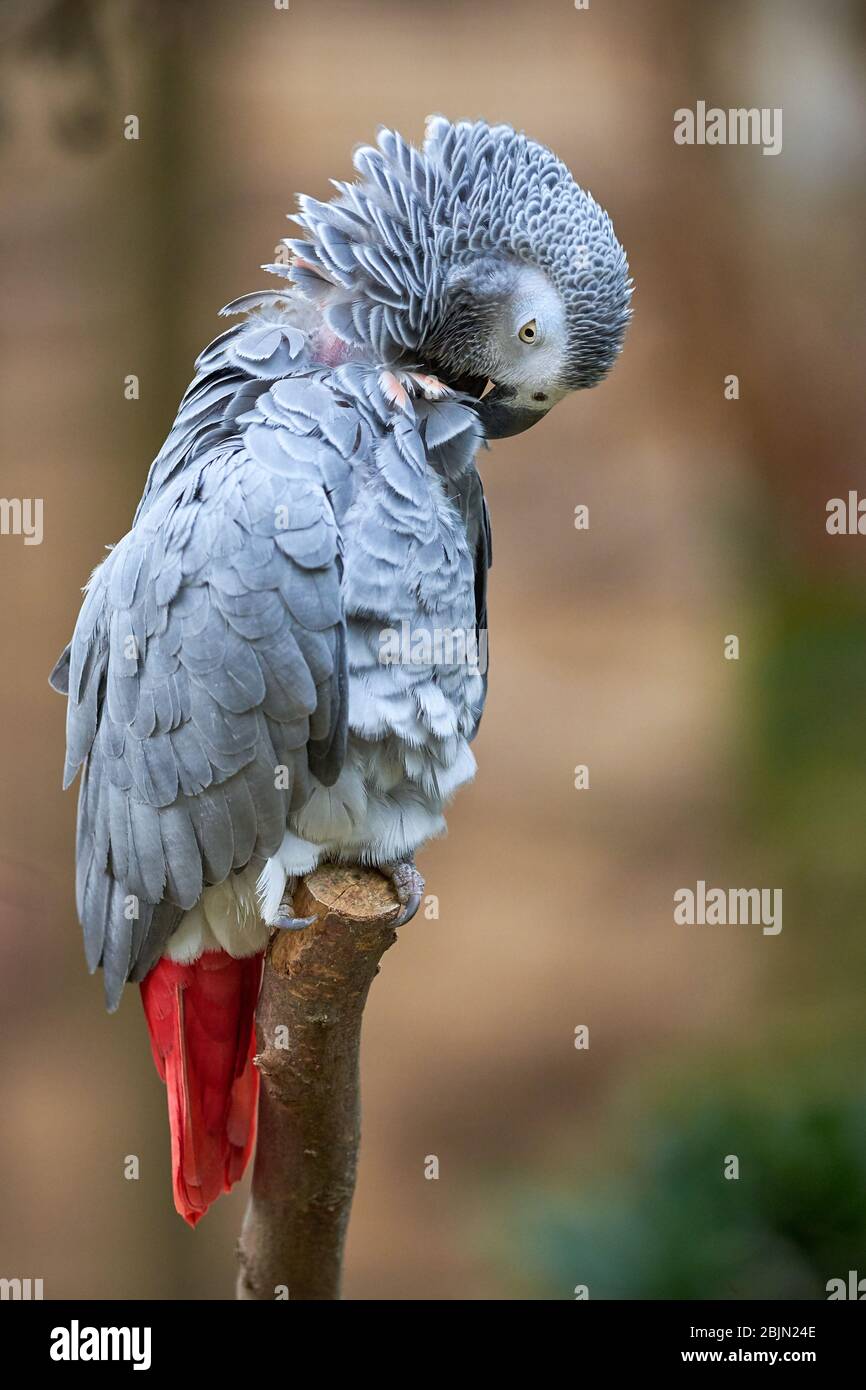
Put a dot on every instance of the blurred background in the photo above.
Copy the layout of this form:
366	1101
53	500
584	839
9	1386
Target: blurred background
558	1166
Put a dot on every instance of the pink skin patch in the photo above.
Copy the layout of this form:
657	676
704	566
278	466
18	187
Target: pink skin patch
328	349
397	387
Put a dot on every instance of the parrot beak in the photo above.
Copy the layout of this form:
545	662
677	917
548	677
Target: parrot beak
502	413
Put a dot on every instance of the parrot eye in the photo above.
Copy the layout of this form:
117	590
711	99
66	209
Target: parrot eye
529	332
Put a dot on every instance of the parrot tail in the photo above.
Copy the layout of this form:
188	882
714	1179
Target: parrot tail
201	1019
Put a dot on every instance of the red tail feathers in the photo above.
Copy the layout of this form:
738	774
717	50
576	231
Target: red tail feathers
201	1019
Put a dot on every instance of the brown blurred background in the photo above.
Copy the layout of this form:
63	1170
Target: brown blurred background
707	517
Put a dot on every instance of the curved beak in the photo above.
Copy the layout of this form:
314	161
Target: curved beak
503	414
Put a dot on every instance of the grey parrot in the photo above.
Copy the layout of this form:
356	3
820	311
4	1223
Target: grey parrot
279	664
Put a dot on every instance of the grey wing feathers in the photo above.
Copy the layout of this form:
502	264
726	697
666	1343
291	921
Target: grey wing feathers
208	654
231	373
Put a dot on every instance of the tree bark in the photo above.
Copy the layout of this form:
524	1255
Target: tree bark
315	986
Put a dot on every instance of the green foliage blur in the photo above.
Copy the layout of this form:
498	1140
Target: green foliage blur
673	1226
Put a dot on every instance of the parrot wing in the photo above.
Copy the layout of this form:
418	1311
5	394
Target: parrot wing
208	657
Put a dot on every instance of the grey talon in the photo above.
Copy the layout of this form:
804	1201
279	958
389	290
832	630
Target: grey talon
293	923
412	905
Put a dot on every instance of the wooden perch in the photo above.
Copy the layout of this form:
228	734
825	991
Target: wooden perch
309	1032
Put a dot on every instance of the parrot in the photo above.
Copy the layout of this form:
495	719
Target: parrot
233	706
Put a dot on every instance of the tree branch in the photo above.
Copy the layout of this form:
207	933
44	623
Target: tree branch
309	1032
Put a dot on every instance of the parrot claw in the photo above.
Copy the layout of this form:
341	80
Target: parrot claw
409	910
293	923
287	921
409	887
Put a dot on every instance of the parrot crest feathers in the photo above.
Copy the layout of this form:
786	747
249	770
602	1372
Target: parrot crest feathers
379	257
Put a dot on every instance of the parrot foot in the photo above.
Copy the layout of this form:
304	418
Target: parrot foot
408	885
285	919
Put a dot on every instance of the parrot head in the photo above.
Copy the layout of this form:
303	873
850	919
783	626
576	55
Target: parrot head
477	259
504	340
